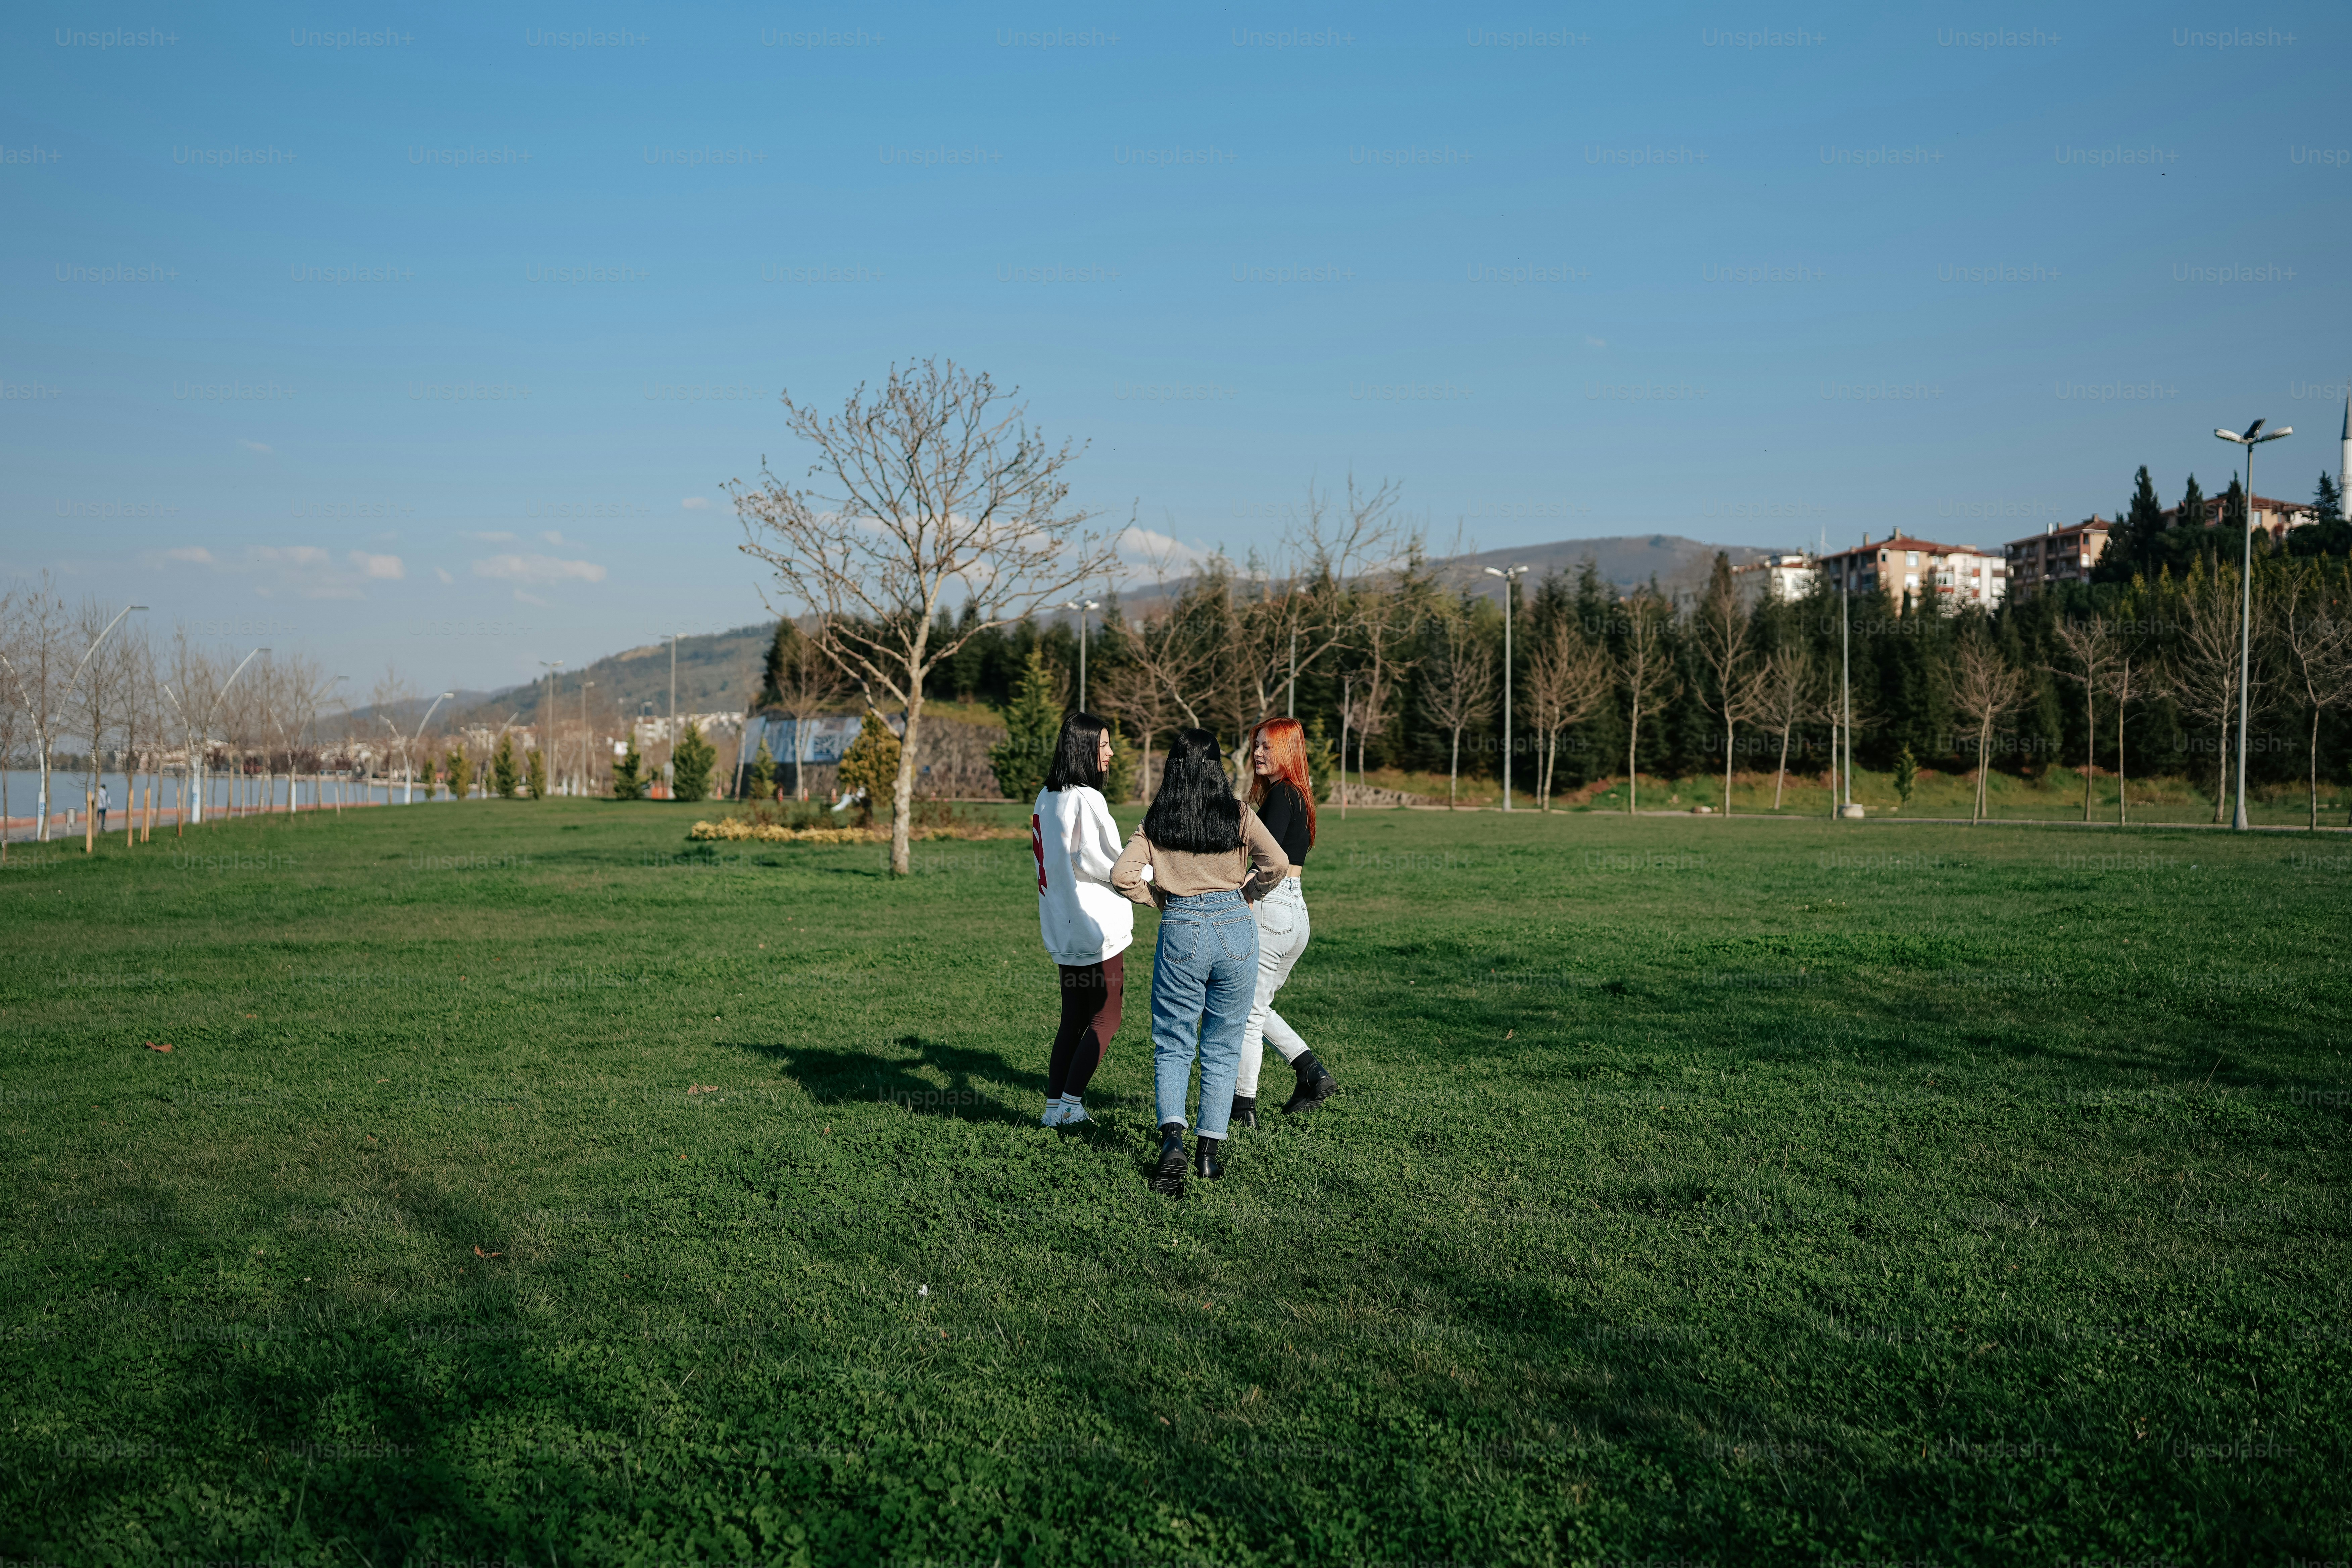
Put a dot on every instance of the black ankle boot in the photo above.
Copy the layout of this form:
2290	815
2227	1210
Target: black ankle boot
1315	1085
1245	1112
1205	1163
1167	1175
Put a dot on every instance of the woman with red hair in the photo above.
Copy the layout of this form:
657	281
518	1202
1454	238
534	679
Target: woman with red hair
1284	798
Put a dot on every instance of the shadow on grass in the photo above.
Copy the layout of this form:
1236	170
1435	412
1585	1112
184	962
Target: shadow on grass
838	1076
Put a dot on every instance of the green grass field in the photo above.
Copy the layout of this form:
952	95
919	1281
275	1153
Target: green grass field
524	1185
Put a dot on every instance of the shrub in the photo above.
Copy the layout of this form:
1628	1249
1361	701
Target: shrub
460	772
1032	722
535	773
629	773
690	764
504	776
870	767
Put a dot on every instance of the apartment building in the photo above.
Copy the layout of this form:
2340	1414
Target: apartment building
1900	565
2056	555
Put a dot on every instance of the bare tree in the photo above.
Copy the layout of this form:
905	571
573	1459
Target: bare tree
1645	668
1164	656
1789	690
2093	647
2122	683
807	683
140	716
1567	683
934	479
1288	617
1737	685
1460	691
2316	638
2202	674
1984	686
1388	617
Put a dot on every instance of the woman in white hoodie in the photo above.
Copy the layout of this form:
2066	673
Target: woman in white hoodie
1087	925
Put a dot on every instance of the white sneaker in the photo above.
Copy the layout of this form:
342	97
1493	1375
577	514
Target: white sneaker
1072	1115
1054	1112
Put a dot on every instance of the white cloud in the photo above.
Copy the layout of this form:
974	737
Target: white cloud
442	573
385	567
1142	547
1597	342
257	446
189	554
538	569
302	569
523	598
695	503
493	538
555	536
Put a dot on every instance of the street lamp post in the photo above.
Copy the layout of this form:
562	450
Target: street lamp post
2254	438
669	763
547	720
408	764
1082	607
1510	576
585	753
192	810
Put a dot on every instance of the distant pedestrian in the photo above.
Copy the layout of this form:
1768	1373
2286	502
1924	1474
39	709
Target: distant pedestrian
104	799
1208	858
1087	926
1284	798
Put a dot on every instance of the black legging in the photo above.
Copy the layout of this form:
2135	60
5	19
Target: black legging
1090	999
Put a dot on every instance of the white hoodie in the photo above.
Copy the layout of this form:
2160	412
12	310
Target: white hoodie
1076	843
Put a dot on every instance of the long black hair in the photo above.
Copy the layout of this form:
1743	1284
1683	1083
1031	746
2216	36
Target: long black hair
1076	753
1195	810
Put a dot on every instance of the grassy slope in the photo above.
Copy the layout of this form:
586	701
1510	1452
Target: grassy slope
1733	1192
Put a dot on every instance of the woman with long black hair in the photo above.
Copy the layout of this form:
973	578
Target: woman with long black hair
1284	799
1207	857
1087	926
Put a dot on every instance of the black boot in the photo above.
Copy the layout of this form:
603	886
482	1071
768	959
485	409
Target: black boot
1315	1085
1167	1175
1205	1163
1245	1112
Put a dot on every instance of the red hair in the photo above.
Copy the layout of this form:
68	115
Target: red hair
1286	755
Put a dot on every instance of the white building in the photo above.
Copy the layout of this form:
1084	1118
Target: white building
1900	565
1786	576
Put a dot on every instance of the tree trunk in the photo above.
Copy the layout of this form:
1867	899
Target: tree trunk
2123	813
902	793
1633	741
1452	770
1727	728
1984	753
2221	772
2090	744
1780	778
2314	754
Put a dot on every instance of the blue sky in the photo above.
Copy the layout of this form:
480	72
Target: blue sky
430	333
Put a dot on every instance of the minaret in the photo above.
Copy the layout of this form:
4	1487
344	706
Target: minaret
2343	457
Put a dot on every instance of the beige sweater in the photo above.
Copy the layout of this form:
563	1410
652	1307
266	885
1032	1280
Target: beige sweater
1255	869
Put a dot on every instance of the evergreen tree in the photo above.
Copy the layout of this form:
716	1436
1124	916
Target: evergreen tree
1907	776
535	773
504	776
2136	543
1126	769
1322	758
460	773
690	764
629	773
869	769
782	648
1033	722
2332	534
763	772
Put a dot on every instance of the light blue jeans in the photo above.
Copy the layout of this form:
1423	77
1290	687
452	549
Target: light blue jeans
1203	979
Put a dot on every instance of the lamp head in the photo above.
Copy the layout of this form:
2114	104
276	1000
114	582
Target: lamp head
2231	435
2282	430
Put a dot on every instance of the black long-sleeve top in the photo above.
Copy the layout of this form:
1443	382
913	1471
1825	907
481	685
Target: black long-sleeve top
1283	813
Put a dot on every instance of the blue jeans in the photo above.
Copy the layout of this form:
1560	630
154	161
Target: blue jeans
1203	979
